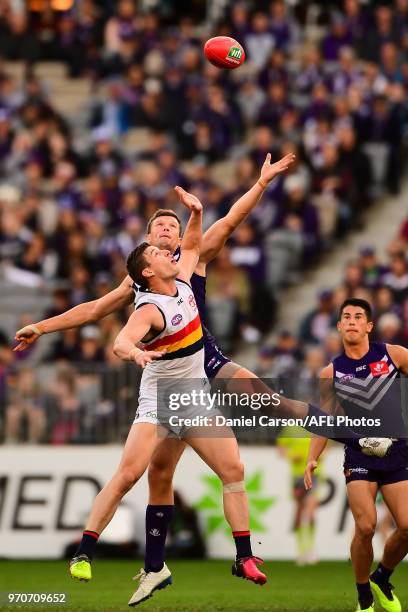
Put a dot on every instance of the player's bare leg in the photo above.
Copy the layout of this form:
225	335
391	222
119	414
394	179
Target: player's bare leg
140	445
361	497
161	470
396	547
246	382
167	455
220	452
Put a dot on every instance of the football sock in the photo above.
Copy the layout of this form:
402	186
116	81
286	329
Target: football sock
381	574
88	544
365	596
243	543
158	519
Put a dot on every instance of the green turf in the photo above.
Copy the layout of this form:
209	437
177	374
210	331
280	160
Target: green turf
198	586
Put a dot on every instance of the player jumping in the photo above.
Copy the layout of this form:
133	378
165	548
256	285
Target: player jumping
167	322
364	381
164	232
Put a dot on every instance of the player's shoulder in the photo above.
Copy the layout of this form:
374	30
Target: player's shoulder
397	353
327	371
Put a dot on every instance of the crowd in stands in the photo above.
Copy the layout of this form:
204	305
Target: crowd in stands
75	202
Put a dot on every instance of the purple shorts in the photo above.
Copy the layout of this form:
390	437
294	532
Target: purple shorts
214	359
381	477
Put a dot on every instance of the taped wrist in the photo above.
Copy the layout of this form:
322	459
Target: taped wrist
234	487
35	329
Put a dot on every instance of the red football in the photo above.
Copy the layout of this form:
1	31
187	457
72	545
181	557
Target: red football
224	52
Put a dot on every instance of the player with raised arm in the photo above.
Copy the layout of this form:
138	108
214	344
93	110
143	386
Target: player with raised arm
364	381
164	232
176	352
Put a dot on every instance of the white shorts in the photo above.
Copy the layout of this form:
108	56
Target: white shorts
163	398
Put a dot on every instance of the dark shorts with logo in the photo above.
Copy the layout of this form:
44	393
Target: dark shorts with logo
387	470
381	477
214	359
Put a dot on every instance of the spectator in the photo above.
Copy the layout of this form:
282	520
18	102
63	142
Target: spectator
247	254
90	351
337	38
397	277
259	42
23	408
298	208
67	411
371	268
228	293
388	328
384	31
316	325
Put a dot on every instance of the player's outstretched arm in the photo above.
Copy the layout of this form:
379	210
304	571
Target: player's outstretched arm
191	243
217	235
138	326
87	312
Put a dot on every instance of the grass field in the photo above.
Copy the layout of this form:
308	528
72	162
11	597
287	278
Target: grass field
198	586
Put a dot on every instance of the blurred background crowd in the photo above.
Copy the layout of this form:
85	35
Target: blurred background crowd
325	80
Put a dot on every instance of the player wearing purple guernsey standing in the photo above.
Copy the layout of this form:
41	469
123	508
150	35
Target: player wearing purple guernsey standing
364	381
164	231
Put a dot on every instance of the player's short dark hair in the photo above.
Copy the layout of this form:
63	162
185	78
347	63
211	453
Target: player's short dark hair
136	263
360	304
163	212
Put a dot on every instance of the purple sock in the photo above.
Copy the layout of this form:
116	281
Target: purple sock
158	519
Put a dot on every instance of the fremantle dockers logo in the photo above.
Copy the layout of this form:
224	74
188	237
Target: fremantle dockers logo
378	368
234	55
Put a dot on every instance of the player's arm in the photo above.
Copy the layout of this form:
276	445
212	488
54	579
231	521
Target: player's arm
87	312
191	243
217	235
140	322
319	443
399	355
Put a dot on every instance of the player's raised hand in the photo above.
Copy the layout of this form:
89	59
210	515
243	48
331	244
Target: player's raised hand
145	357
188	199
308	475
26	336
269	171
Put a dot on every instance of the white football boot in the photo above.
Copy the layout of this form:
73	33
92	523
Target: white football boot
150	582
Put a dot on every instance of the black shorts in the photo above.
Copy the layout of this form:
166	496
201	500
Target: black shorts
381	477
214	359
